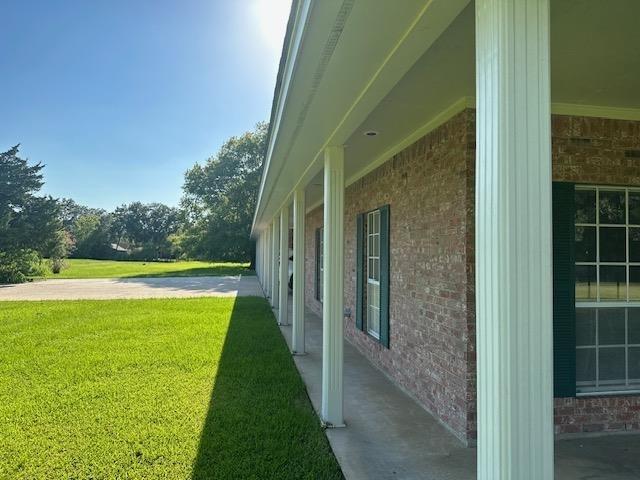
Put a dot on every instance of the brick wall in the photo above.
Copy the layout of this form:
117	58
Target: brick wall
604	152
426	187
430	188
313	221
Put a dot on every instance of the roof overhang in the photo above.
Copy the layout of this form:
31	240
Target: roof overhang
403	68
332	75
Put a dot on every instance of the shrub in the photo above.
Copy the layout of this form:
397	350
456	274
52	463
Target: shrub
17	266
57	265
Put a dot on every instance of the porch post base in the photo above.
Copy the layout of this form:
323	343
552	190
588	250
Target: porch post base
326	425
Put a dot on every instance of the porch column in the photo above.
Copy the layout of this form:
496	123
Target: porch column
257	260
275	259
297	336
332	306
513	241
267	261
262	258
283	313
265	257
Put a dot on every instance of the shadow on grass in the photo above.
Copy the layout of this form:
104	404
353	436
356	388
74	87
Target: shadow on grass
260	423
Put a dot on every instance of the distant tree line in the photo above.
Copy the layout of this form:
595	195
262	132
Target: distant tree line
212	222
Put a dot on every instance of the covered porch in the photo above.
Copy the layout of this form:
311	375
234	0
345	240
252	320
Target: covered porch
390	436
428	136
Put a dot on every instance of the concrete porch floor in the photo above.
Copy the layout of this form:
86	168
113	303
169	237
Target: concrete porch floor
389	436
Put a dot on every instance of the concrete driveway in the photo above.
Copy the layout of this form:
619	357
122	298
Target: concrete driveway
117	288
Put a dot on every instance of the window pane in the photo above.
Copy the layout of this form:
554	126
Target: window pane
611	326
633	325
585	326
634	283
585	282
585	206
611	364
585	244
613	282
634	244
586	365
634	208
373	295
373	321
612	244
634	365
612	209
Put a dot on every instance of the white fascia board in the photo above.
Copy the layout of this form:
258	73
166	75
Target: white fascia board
299	26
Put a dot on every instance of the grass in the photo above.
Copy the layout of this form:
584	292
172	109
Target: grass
82	268
144	389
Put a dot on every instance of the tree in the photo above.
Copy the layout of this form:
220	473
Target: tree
220	198
71	211
30	227
147	227
92	236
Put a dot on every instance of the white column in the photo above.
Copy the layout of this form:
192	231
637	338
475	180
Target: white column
283	312
332	306
275	262
513	241
267	262
263	256
261	261
257	260
297	335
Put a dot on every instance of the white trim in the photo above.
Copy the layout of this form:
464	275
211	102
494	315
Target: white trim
612	393
601	111
297	34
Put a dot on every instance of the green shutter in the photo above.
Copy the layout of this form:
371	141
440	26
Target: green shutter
564	303
384	275
359	270
317	276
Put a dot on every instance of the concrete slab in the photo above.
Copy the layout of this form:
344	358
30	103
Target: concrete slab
390	436
119	288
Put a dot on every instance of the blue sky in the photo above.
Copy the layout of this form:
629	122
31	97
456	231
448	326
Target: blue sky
119	97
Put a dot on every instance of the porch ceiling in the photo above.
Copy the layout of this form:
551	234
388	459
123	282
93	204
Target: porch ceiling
400	68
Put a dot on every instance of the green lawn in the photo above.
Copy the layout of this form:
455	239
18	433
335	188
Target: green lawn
81	268
146	389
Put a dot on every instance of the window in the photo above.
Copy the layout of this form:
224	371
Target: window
607	289
319	263
373	273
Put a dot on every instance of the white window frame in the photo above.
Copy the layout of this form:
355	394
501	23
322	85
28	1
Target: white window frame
372	257
600	387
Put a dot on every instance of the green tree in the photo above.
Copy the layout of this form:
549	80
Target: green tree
92	234
146	227
30	225
220	198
